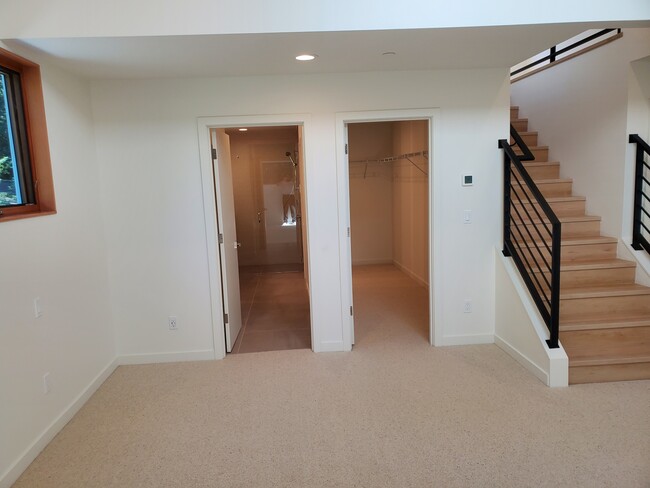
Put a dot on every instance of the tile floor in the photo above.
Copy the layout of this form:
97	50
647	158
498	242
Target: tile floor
275	309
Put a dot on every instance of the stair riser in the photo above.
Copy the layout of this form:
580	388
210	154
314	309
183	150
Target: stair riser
588	277
586	252
540	154
514	113
615	372
570	229
520	125
622	342
561	189
546	172
529	139
600	307
561	209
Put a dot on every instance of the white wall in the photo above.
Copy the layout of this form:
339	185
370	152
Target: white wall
156	234
411	200
371	192
55	18
61	259
580	108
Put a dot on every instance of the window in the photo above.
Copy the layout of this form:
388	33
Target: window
26	188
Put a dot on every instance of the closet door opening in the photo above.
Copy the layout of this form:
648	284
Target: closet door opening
261	221
388	175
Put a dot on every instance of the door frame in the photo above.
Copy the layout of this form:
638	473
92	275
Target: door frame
204	125
435	260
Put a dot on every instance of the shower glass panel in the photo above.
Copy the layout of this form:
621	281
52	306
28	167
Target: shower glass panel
280	216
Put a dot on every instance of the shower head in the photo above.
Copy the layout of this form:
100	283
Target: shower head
288	154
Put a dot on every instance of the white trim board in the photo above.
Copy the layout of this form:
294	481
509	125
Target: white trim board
166	357
520	330
204	124
10	476
435	209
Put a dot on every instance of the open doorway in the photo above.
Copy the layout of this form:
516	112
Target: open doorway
388	177
259	181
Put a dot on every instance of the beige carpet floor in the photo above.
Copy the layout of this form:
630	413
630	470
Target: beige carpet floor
393	413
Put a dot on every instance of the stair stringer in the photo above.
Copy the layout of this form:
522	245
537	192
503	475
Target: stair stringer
520	330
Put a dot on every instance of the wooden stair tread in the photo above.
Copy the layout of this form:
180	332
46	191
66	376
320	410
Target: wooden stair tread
566	219
577	241
604	323
548	181
595	264
607	360
536	163
618	290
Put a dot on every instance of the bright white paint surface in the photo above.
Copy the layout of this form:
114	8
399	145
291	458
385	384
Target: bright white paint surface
580	108
61	259
154	125
254	54
520	330
79	18
228	247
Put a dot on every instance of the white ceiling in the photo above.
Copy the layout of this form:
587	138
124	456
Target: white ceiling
268	54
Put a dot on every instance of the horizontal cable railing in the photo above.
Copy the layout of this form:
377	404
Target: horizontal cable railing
641	225
560	52
531	233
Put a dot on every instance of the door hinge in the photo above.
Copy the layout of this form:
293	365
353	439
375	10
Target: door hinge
214	153
225	318
348	232
351	310
346	148
220	238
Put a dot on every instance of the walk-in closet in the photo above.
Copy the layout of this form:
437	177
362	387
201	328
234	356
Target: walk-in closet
388	164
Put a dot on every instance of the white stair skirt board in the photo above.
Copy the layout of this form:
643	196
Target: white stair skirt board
10	476
642	259
520	330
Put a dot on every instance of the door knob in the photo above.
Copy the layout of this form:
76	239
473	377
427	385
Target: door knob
237	244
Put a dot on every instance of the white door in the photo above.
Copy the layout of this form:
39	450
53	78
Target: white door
349	235
228	244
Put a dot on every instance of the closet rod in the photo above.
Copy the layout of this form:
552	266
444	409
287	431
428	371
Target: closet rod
392	159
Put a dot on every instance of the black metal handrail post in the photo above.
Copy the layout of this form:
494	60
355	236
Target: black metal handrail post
639	242
545	292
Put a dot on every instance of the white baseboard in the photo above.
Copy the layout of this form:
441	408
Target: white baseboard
329	346
466	340
10	476
367	262
168	357
522	359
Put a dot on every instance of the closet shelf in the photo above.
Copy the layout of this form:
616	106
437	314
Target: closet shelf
392	159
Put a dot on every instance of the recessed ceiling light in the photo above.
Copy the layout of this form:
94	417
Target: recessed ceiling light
305	57
243	129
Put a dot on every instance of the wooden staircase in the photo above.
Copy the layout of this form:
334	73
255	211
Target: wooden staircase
604	314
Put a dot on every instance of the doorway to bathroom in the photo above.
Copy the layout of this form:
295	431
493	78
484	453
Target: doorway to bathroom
260	207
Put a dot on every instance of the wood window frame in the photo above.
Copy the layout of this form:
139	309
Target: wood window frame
37	139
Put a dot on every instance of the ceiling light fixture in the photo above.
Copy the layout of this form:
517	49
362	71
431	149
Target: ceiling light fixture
243	129
305	57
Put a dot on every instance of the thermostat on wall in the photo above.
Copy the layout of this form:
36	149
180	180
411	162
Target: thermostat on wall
468	180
